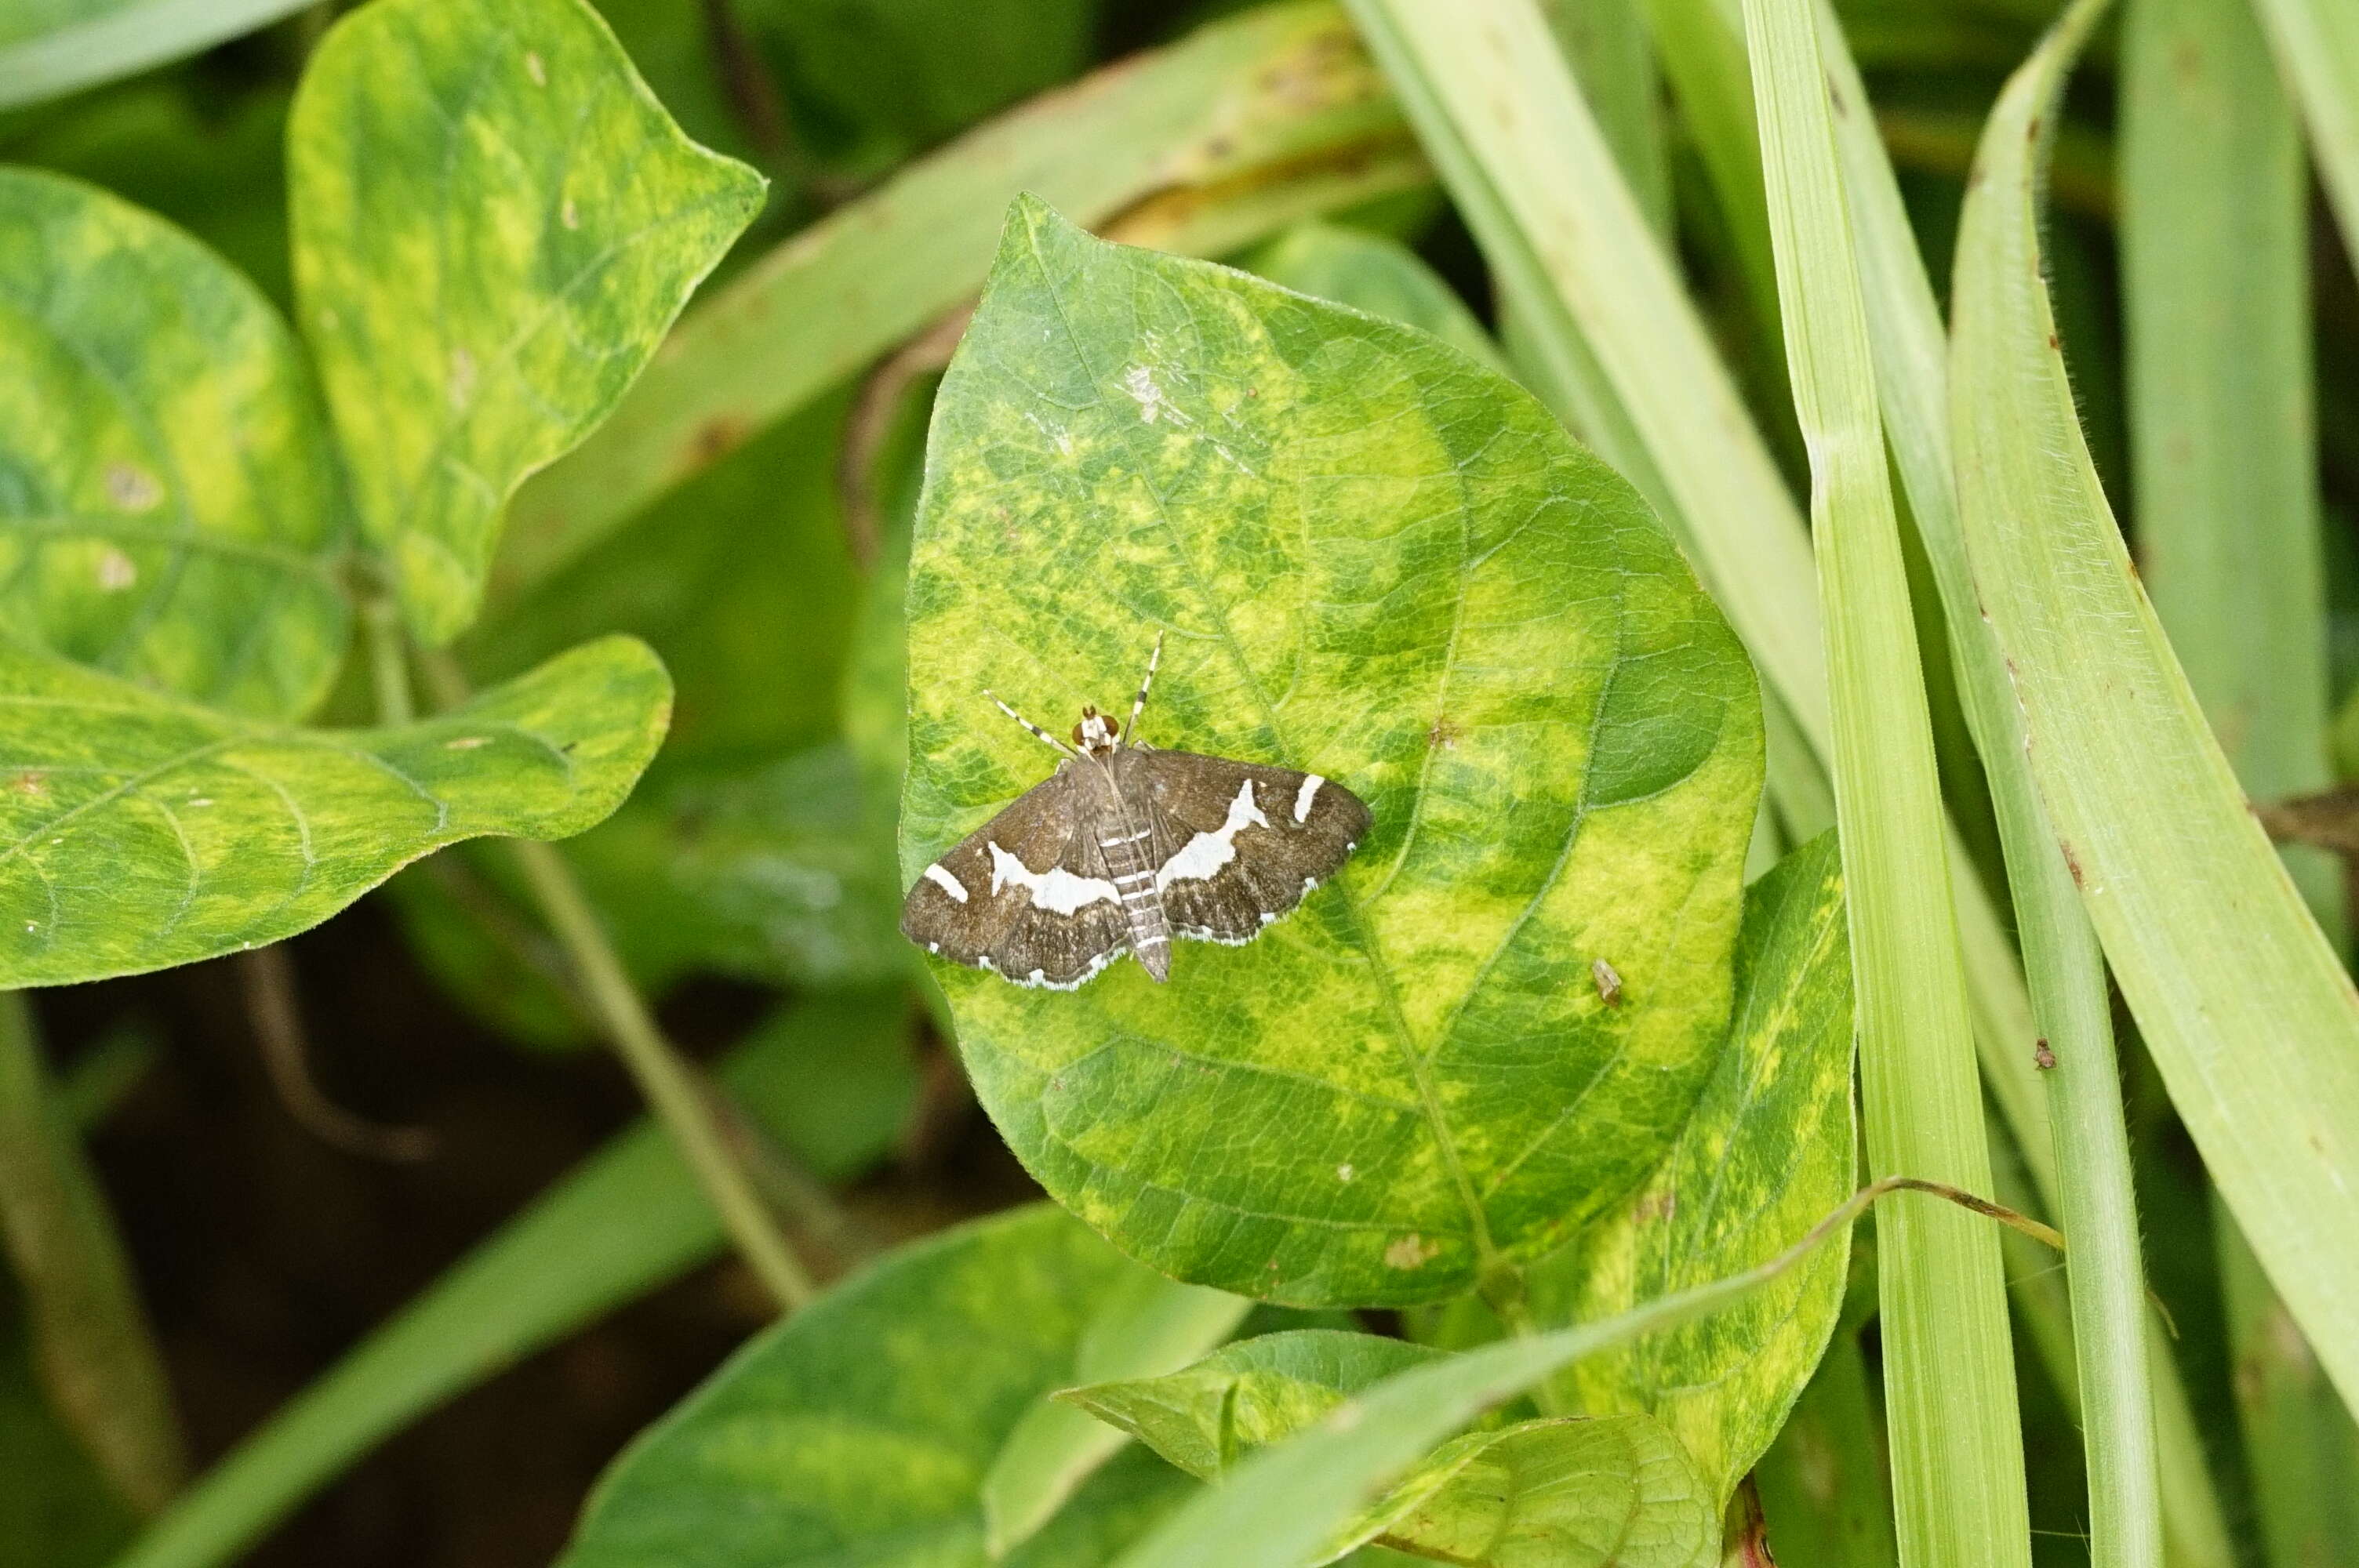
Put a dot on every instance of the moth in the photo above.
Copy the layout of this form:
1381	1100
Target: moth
1125	847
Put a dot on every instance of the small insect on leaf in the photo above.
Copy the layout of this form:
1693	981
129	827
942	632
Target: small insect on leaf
1609	981
1123	847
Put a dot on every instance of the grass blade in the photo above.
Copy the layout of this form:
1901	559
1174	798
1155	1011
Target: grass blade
2318	52
2205	930
98	1363
1949	1367
2087	1181
2214	221
1608	336
624	1221
123	38
1271	99
1612	52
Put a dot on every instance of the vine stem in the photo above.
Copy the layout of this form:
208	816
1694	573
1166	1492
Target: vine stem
665	1079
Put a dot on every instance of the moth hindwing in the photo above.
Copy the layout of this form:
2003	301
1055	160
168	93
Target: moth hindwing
1124	847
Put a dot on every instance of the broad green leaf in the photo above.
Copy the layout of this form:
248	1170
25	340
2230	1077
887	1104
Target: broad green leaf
861	1429
1768	1152
1539	1494
170	508
1378	561
1274	114
830	1079
50	47
1379	275
1146	1324
2206	933
494	221
138	832
1592	1492
1279	1506
1247	1395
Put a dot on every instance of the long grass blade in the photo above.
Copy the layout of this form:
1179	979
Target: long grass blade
1949	1366
627	1220
2241	999
1607	334
2214	233
2318	52
123	38
2089	1185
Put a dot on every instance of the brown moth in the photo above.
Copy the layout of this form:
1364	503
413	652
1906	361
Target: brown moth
1124	847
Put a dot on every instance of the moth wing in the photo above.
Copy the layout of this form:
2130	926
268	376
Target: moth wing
1237	845
973	907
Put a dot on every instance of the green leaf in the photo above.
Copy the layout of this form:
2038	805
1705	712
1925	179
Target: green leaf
2205	933
2317	44
1768	1150
1540	1494
1146	1324
1273	112
138	832
169	509
1602	1492
494	222
1281	1505
54	47
830	1079
1375	274
1382	562
863	1428
1247	1395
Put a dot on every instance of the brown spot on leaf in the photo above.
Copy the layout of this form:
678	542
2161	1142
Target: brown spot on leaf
1658	1205
2041	1057
2072	862
1444	733
29	783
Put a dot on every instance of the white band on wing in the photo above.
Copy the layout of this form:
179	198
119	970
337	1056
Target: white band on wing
1206	853
1056	889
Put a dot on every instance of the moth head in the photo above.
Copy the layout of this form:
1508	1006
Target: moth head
1095	734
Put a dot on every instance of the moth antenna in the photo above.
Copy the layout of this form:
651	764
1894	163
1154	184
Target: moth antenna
1037	733
1139	705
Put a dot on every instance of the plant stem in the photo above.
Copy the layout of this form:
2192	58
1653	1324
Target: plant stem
97	1361
388	658
669	1084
